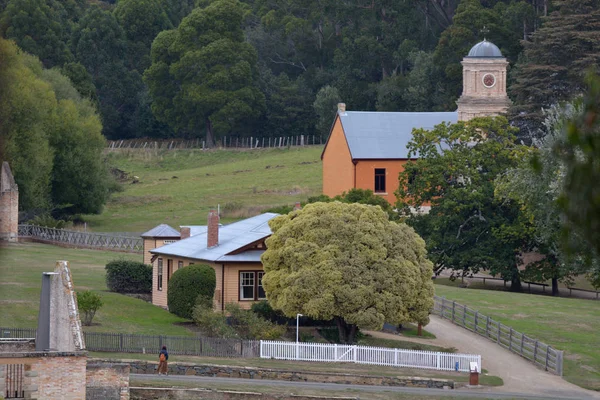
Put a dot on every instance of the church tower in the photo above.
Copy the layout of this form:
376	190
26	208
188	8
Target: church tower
484	83
9	205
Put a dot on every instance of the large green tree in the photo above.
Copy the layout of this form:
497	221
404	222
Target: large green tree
467	229
347	262
537	184
554	62
203	73
39	27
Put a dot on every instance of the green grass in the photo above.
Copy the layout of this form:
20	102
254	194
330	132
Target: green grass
304	366
368	340
21	267
571	325
178	187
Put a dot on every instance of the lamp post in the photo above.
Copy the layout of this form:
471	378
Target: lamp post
297	325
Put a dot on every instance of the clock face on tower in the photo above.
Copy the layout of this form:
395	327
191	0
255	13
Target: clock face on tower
489	80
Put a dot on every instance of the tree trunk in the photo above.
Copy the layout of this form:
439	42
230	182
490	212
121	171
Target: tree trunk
419	329
347	332
554	286
352	334
210	137
515	282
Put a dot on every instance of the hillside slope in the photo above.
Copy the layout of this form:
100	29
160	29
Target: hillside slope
180	186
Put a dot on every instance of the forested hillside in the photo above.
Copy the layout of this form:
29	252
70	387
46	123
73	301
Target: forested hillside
190	68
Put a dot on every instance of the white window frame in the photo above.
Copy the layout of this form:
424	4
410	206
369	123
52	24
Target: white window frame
244	277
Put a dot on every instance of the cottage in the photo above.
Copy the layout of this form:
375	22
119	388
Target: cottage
367	150
233	250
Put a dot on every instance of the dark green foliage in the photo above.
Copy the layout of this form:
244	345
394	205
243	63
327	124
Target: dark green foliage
89	303
467	228
186	285
123	276
81	79
553	65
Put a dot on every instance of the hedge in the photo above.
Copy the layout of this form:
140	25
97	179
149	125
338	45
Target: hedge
123	276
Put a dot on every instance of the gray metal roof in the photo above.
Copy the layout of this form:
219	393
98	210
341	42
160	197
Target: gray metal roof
385	135
485	49
196	229
162	230
231	238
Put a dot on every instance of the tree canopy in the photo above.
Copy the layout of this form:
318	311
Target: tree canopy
467	229
348	262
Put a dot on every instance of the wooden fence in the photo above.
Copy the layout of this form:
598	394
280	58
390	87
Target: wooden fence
368	355
176	345
541	354
82	239
228	142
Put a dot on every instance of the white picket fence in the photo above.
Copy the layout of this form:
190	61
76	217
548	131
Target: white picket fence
367	355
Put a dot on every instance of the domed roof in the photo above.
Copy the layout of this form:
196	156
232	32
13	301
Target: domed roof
485	49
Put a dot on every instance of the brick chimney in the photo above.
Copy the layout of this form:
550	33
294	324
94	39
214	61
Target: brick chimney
341	108
213	229
298	206
184	232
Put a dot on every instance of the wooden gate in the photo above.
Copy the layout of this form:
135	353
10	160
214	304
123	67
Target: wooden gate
14	381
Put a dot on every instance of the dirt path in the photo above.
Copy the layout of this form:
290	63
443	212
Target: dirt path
519	375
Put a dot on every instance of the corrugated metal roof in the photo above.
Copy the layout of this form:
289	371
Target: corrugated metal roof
385	135
162	230
231	237
196	229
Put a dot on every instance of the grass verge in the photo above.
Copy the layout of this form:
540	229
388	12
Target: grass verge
21	267
571	325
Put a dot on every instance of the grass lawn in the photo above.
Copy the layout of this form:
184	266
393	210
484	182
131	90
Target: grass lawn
343	368
570	325
21	267
178	187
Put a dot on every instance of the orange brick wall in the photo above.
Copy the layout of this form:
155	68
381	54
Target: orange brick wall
338	169
59	378
105	375
365	176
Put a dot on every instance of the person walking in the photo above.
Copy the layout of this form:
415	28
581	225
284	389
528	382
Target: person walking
163	357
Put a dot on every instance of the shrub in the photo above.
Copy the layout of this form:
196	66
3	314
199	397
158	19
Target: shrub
249	325
212	324
88	303
123	276
186	285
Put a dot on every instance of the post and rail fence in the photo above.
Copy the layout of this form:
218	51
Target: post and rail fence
227	142
541	354
367	355
81	239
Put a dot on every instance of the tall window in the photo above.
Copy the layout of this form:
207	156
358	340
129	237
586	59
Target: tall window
179	264
160	274
379	180
251	285
169	270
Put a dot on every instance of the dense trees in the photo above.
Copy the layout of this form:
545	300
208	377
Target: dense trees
347	262
467	228
51	136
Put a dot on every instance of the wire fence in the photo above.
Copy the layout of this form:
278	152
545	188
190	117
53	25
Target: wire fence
227	142
368	355
541	354
81	239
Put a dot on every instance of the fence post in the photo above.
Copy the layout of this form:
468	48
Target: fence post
297	350
396	357
261	349
476	313
510	339
522	340
559	363
535	352
354	351
335	352
453	309
547	354
160	342
121	342
487	326
438	361
464	316
498	337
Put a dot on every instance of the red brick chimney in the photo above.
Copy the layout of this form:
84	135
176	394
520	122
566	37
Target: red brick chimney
213	229
298	206
184	232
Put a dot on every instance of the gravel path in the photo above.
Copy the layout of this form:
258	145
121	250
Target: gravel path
519	375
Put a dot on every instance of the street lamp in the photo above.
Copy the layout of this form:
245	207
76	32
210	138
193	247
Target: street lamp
297	325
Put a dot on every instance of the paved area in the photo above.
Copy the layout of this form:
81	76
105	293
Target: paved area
362	390
519	375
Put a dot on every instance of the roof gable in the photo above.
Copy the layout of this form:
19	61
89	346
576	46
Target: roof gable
162	230
385	135
231	238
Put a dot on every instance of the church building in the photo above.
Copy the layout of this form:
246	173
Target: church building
368	149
